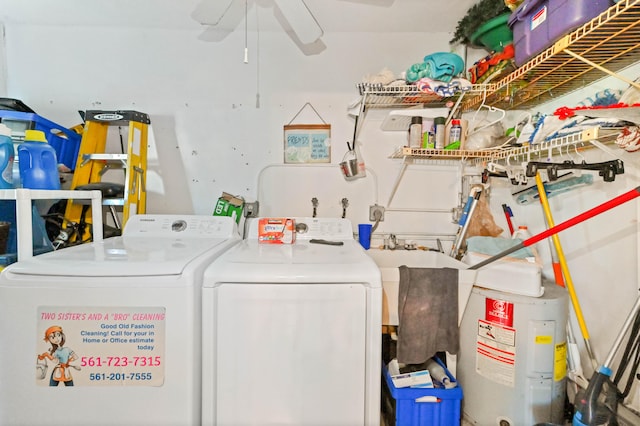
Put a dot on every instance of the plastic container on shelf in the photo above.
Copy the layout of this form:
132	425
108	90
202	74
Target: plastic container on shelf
455	135
494	34
537	24
65	141
439	125
38	162
415	132
6	158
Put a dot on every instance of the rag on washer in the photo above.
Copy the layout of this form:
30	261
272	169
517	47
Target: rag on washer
428	313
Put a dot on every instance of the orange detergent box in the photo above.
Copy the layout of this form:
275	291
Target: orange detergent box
276	230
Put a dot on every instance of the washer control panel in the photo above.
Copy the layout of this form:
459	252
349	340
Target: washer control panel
182	226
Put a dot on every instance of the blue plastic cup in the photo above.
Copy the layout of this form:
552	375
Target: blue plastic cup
364	235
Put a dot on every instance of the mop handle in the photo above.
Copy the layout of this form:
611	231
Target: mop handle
607	205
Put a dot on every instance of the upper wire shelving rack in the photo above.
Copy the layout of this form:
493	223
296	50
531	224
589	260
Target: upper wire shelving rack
408	95
603	46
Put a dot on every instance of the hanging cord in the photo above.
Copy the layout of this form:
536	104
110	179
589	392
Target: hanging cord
303	107
246	24
257	59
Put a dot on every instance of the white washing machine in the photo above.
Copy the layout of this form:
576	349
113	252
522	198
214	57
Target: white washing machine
108	333
292	332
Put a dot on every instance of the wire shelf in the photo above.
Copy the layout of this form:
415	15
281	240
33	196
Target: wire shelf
406	95
603	135
610	40
444	154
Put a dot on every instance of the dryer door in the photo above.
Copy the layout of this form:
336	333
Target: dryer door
288	354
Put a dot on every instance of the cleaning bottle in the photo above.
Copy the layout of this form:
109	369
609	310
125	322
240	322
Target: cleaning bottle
415	132
6	158
522	232
439	375
455	135
438	123
37	162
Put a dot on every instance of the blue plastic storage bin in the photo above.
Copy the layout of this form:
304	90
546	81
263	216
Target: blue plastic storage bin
400	407
537	24
41	242
64	141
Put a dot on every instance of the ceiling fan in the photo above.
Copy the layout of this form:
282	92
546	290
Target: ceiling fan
222	17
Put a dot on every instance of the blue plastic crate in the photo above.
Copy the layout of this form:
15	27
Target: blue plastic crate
401	409
40	240
66	142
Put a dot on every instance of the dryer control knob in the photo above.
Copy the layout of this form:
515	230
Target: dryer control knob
301	228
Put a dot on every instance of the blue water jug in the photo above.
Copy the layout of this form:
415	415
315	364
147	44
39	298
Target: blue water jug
37	162
6	158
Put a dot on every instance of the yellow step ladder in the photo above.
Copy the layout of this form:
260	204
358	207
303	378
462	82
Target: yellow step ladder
94	162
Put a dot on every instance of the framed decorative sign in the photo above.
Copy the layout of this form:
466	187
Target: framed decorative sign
307	143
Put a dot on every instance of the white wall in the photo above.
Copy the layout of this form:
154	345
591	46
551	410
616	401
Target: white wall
210	136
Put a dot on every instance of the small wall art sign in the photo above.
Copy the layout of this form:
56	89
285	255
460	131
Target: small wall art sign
307	143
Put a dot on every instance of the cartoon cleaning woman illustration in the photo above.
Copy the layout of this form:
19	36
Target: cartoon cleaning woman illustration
60	354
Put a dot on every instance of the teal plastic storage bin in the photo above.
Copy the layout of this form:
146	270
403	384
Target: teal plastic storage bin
64	141
400	408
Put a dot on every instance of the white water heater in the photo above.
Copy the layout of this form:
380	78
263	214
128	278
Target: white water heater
512	359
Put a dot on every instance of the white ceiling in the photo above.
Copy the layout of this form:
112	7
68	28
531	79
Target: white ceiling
332	15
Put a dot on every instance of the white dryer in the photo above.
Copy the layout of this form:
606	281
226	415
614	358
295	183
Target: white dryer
292	332
108	333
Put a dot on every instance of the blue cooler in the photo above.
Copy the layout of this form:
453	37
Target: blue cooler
537	24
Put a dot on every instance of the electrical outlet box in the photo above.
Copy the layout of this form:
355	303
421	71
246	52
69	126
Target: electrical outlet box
251	209
376	211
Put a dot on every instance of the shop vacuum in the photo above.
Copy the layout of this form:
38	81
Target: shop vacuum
598	404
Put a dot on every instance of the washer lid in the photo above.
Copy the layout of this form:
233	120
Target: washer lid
301	262
122	256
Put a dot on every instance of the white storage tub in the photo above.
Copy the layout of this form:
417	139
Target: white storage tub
509	274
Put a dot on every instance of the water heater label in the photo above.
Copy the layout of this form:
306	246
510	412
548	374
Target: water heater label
496	352
499	311
560	362
100	346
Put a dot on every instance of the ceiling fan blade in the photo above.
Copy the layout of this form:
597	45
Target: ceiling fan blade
211	12
301	20
214	34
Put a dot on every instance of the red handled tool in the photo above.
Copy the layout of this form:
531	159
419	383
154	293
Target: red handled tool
608	205
508	214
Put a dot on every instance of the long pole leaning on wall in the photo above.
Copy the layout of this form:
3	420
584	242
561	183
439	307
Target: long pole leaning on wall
565	272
